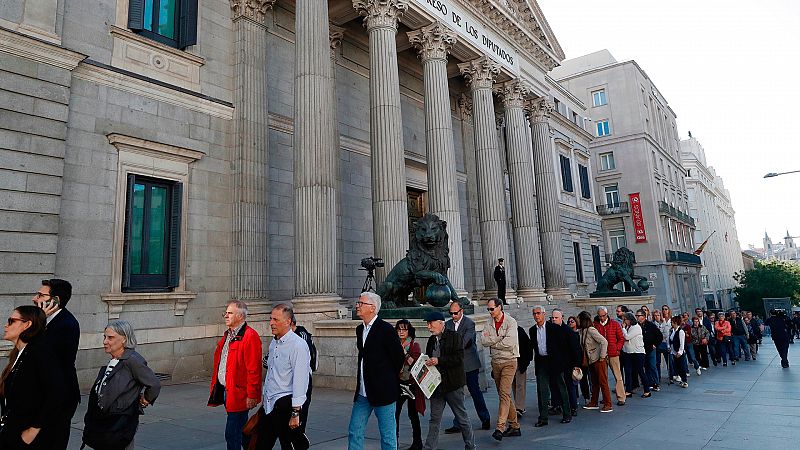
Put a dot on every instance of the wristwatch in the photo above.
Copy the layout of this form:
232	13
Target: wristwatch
295	413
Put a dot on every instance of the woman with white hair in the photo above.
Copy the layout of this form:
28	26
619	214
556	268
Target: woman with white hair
123	388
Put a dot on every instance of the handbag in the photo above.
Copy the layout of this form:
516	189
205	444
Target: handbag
577	374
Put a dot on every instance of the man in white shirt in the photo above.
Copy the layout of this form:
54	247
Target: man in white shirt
286	384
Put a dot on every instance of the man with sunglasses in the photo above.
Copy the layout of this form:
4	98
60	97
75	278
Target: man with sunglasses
465	327
500	335
61	336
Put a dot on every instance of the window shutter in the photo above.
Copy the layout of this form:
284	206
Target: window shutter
126	241
188	24
174	271
136	14
598	271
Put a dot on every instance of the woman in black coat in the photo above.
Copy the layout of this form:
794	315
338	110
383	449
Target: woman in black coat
31	386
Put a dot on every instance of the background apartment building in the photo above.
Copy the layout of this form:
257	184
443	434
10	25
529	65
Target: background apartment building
710	205
636	151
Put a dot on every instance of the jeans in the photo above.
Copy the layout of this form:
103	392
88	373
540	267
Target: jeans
722	351
650	367
690	353
681	365
358	424
454	399
663	351
475	392
503	374
233	429
740	341
634	366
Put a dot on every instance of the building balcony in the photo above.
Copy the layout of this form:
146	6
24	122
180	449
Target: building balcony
616	208
667	210
688	258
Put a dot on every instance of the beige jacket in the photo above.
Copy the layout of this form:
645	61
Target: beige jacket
503	343
594	344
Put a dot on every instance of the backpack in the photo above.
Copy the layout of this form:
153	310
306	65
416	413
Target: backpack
303	333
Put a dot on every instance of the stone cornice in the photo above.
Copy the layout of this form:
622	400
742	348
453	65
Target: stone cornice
433	41
255	10
540	110
380	13
38	50
480	73
514	93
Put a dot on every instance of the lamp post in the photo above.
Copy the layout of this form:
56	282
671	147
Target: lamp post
773	174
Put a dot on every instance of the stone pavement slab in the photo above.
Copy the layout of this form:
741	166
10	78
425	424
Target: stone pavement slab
751	405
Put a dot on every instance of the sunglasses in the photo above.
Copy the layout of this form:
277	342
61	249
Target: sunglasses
11	320
490	309
453	313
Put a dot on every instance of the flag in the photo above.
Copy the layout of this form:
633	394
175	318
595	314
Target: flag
703	245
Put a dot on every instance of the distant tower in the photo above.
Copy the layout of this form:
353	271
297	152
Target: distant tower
788	241
767	246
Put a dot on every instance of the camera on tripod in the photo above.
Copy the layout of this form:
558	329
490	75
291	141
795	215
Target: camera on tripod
371	263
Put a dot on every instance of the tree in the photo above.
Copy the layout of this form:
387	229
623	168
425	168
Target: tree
769	279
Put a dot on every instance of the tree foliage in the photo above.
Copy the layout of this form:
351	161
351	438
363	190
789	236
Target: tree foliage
769	279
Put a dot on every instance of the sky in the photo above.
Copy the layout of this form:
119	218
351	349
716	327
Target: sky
731	72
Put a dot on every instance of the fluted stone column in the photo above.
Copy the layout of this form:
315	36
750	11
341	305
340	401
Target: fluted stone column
547	200
480	74
523	192
249	280
315	163
389	196
434	42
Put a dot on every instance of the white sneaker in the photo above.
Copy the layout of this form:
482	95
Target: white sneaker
688	374
699	372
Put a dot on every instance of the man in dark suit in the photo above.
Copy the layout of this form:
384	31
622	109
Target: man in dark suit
465	328
550	358
380	358
446	353
500	280
61	337
572	359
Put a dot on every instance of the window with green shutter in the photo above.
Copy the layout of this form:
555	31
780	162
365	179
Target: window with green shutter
151	258
171	22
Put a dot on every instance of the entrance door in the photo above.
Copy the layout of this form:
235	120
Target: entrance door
416	209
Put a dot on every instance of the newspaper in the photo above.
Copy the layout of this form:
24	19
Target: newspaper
427	377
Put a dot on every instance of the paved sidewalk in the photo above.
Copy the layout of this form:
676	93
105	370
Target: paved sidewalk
751	405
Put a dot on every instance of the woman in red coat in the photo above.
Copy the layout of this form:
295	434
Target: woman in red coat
412	351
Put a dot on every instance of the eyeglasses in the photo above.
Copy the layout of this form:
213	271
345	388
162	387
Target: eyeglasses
402	329
490	308
363	304
639	315
227	313
39	295
11	320
453	313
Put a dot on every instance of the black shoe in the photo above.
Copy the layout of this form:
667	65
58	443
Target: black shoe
566	419
656	388
485	425
574	412
733	362
620	403
512	432
452	430
497	435
540	424
646	395
724	364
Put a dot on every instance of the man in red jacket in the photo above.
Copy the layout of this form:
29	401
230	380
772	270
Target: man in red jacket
237	377
612	331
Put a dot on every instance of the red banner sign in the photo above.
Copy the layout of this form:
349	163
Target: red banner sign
638	218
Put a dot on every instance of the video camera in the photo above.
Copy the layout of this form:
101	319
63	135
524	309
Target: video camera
371	263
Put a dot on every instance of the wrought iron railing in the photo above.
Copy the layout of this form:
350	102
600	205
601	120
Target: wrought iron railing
615	208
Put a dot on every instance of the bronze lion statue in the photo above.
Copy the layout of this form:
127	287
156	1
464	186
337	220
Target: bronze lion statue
426	262
621	270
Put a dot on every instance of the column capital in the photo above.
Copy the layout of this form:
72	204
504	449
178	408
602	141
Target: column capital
480	73
336	35
514	93
433	41
465	106
540	110
255	10
499	119
380	13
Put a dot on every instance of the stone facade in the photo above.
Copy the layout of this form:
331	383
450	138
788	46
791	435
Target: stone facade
290	135
710	203
636	150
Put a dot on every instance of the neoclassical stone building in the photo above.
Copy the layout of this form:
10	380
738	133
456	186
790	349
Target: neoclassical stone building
167	159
